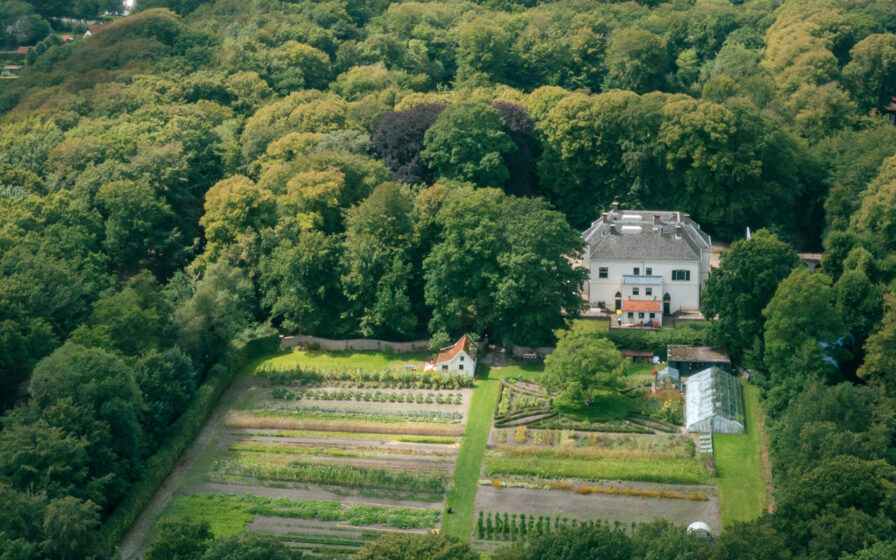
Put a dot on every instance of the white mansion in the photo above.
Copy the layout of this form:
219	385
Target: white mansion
645	263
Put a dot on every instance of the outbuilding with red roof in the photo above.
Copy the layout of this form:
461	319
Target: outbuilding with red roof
460	357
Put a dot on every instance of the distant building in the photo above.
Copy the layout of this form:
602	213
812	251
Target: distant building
10	70
67	38
691	359
714	403
457	358
646	256
94	29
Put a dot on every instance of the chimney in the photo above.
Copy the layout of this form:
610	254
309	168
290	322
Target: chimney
615	206
686	218
613	229
678	230
606	218
656	219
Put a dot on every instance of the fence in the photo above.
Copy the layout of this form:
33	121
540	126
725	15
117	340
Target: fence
354	344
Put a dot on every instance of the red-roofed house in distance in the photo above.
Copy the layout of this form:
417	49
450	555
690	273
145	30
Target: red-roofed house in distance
641	312
460	357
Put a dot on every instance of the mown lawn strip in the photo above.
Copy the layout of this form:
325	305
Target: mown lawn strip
738	459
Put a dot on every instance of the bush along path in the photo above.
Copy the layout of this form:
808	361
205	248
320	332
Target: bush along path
467	467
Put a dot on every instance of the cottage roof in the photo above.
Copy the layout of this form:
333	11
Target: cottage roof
448	353
682	353
646	235
641	305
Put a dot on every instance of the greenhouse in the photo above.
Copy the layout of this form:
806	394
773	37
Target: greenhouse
714	403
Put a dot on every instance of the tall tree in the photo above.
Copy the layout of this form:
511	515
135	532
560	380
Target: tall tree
738	291
501	268
804	335
467	143
398	141
636	60
583	365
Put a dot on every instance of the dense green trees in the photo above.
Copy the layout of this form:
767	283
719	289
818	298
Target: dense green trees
738	291
398	546
206	165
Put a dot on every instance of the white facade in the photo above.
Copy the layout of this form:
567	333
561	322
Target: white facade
457	358
461	363
646	255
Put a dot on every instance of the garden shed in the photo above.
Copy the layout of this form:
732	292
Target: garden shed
691	359
714	403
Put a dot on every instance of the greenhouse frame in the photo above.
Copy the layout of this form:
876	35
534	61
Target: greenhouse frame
714	403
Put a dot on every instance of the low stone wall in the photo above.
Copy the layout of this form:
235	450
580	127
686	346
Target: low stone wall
354	344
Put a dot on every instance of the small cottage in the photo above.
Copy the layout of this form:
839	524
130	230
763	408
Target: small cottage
457	358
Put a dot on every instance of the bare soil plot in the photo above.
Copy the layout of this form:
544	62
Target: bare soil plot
624	509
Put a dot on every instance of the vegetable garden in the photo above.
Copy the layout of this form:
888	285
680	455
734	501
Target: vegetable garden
382	442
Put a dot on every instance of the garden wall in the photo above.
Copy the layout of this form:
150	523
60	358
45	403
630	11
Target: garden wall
354	344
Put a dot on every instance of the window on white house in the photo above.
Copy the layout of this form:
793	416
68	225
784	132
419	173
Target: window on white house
444	368
653	315
640	315
637	271
460	367
461	358
636	291
631	315
683	275
602	272
648	291
649	272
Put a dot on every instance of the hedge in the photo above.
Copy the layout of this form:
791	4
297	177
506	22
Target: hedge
694	334
182	433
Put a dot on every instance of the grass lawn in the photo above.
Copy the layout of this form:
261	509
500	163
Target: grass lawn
462	494
226	515
324	360
645	469
739	469
606	406
589	325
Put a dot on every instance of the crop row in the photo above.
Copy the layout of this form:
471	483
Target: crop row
357	377
373	415
367	396
647	469
357	515
331	451
539	484
585	452
366	426
332	474
310	433
504	526
564	423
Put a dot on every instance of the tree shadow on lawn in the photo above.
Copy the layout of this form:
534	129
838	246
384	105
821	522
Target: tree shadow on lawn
605	407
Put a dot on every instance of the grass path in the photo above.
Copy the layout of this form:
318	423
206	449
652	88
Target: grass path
462	495
741	473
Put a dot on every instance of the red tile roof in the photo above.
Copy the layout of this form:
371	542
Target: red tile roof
465	343
641	305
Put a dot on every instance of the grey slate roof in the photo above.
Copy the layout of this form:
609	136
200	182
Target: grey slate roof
635	235
682	353
644	246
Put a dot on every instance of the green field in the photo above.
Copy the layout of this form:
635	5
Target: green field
643	469
350	359
738	458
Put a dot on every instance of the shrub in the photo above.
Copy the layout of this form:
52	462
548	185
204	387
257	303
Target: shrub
521	435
